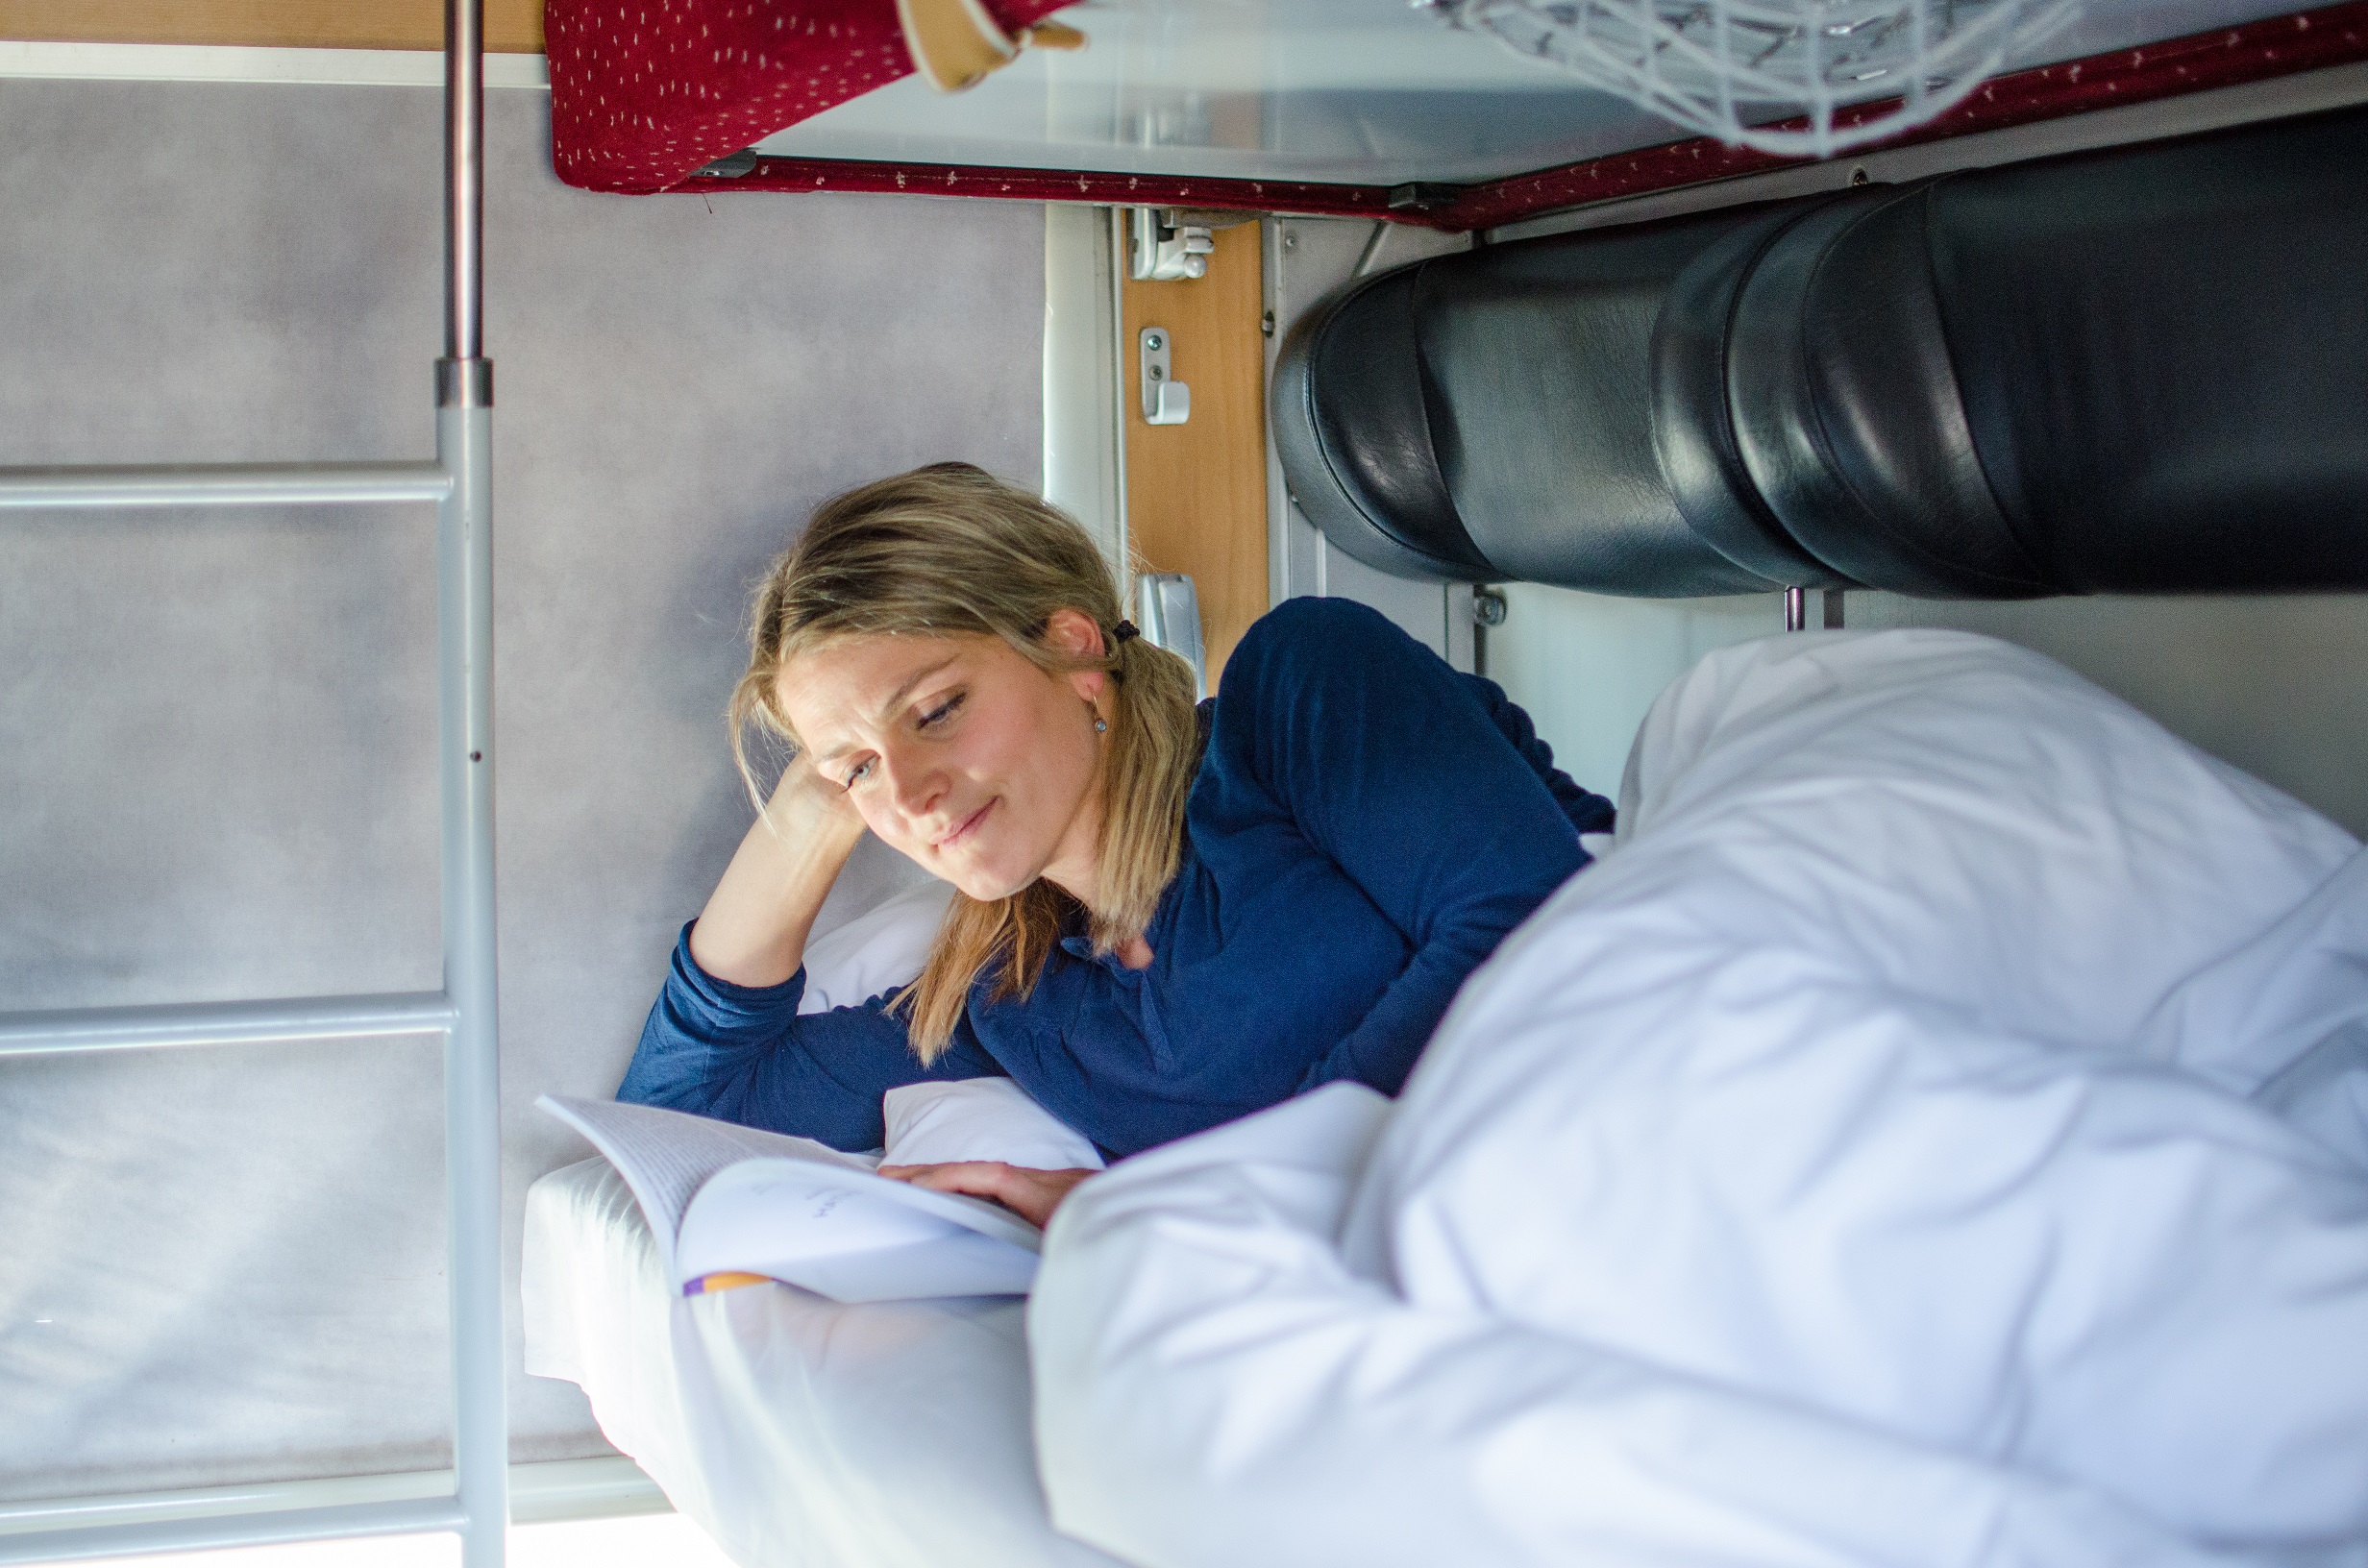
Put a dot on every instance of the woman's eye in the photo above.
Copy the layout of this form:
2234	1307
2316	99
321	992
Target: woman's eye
858	773
940	713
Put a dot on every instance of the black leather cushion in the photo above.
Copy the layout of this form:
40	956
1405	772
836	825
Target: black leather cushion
1846	411
1539	359
1693	430
1490	415
2140	369
1353	431
2163	355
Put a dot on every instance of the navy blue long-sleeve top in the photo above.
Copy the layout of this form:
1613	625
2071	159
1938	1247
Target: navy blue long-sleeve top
1366	826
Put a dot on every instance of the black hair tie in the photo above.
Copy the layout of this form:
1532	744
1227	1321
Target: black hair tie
1121	632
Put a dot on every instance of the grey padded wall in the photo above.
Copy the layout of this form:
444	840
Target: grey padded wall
2270	684
216	731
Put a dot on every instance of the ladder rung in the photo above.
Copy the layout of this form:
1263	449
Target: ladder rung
223	484
408	1518
224	1023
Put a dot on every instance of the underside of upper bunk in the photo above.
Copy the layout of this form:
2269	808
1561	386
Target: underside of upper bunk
1333	108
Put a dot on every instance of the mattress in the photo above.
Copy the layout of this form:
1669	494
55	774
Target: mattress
799	1433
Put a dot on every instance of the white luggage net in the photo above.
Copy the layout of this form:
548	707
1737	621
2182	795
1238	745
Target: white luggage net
1740	69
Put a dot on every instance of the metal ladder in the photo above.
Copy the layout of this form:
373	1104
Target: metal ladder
460	483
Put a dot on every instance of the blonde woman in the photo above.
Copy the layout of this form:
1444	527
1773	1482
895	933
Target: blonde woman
1167	916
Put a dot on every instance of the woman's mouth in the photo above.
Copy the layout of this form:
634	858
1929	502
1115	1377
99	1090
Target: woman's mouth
965	828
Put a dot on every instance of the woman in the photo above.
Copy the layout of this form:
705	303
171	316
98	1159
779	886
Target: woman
1165	917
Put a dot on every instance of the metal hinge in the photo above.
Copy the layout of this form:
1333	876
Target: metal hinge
1161	248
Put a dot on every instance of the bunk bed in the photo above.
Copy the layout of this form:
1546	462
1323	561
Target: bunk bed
1308	108
711	1393
1331	1333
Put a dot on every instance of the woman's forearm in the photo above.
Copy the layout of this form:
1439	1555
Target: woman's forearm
754	927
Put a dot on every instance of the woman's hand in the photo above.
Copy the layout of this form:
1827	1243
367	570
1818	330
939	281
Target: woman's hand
1031	1194
804	800
754	930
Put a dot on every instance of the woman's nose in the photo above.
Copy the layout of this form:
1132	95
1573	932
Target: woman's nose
914	786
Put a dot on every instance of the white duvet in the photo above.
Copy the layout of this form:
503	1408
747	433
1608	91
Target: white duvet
1933	1135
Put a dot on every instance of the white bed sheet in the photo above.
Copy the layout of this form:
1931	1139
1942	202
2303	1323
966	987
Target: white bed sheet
1881	1158
797	1432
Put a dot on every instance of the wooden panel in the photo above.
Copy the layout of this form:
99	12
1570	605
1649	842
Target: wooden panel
1196	492
511	26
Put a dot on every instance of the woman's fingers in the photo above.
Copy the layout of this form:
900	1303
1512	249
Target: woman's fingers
1030	1193
804	796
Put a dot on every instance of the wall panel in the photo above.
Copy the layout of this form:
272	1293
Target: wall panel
2271	684
1196	492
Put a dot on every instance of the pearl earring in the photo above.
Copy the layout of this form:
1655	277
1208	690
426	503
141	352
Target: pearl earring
1101	724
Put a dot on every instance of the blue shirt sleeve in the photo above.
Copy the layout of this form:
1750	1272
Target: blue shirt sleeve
1588	812
746	1054
1429	789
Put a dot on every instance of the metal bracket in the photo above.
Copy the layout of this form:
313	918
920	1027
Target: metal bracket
1160	248
1169	608
1422	196
1166	400
464	384
731	166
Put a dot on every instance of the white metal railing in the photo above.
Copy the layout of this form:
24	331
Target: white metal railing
538	1492
461	482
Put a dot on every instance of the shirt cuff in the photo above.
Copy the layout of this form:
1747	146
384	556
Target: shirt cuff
726	998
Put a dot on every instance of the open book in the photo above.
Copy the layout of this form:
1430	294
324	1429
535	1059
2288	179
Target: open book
724	1199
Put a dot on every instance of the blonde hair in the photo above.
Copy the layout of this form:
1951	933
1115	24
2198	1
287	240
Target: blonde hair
950	551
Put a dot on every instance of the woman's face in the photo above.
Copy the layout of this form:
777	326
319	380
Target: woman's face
959	752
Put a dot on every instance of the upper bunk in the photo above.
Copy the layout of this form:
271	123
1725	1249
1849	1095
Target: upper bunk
1345	108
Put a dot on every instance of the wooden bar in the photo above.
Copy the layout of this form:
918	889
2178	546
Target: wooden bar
511	26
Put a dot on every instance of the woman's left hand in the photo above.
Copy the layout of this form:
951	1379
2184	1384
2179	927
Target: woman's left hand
1031	1194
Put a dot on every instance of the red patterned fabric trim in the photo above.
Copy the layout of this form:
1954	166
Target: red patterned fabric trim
645	91
670	125
824	174
2223	58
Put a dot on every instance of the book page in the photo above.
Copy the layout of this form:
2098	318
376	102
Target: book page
853	1235
961	1264
667	1156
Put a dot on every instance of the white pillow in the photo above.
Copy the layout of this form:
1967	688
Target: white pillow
876	951
929	1124
980	1119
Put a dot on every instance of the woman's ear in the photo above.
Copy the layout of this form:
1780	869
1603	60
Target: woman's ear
1076	633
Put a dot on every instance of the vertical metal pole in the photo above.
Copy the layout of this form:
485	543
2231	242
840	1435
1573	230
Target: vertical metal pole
464	179
1125	374
464	642
1797	609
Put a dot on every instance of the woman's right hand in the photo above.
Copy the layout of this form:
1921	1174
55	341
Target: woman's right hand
754	928
804	800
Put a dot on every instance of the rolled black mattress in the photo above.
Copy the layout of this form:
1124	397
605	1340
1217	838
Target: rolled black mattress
2140	369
